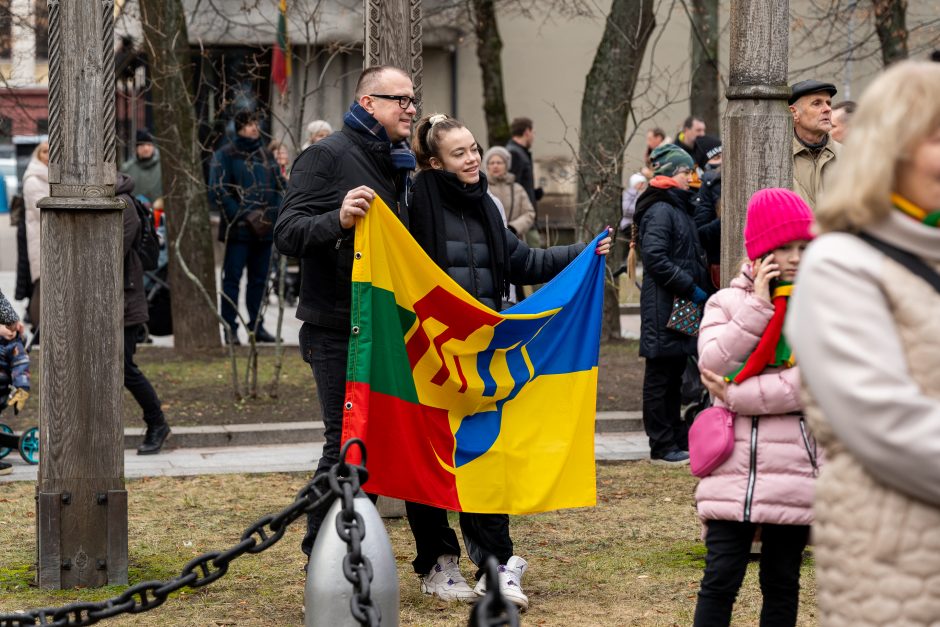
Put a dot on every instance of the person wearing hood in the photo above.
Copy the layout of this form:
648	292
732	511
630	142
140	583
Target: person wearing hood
135	315
673	267
245	181
145	168
35	188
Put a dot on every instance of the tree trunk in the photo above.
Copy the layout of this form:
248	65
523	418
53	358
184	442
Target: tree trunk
891	26
608	91
195	323
758	129
704	92
489	51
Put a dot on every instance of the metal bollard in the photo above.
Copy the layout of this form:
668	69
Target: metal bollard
328	593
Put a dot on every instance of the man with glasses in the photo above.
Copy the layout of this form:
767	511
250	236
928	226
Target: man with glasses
331	186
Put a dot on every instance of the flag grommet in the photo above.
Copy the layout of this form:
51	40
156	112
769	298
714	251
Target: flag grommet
348	405
355	330
358	255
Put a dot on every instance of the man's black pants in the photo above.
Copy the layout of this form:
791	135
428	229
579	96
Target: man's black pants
483	534
729	545
136	383
662	405
325	350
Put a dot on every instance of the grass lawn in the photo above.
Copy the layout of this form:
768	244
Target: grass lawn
198	391
635	559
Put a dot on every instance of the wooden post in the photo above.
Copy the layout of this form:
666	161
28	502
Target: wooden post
82	505
393	37
758	128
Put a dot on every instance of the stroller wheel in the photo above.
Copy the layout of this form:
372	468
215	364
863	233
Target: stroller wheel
29	446
4	451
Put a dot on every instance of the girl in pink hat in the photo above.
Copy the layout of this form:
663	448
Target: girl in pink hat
747	366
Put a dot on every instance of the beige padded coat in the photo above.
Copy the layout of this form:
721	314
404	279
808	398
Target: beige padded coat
866	333
809	171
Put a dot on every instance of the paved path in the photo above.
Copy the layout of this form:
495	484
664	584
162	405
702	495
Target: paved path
608	447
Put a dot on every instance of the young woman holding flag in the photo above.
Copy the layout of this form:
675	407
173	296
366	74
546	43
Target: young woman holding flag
767	481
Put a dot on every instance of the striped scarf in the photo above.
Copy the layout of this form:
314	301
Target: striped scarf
921	215
772	349
361	121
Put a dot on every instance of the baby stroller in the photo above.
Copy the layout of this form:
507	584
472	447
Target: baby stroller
27	443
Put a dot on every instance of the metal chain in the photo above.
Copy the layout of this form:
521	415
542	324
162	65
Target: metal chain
351	528
342	481
493	610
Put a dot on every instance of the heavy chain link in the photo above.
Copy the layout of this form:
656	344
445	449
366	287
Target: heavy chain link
342	481
493	610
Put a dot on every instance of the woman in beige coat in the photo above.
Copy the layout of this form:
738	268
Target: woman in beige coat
520	215
866	333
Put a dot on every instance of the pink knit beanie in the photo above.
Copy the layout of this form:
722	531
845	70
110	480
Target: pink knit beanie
775	217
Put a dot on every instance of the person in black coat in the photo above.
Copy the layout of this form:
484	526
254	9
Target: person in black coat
673	267
331	185
707	199
135	315
457	223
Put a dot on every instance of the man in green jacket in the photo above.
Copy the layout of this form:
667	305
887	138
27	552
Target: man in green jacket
145	168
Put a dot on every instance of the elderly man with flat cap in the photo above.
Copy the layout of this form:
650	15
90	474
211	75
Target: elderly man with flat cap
813	148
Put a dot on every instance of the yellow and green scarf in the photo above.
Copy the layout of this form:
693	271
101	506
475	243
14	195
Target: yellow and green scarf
921	215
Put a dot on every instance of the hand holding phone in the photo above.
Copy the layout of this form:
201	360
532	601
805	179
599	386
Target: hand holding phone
766	272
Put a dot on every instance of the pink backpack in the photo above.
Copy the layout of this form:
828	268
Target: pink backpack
711	440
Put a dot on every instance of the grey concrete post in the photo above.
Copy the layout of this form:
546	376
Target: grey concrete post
758	129
82	505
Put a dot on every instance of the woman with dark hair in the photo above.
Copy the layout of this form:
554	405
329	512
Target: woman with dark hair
458	224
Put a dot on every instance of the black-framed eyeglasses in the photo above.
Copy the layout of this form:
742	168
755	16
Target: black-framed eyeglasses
403	101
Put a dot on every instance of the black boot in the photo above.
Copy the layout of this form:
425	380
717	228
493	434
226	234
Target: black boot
262	336
154	438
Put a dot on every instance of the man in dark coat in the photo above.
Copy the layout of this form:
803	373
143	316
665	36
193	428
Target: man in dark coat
708	160
520	146
331	186
673	267
244	179
135	315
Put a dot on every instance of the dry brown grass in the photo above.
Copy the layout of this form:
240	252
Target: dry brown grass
635	559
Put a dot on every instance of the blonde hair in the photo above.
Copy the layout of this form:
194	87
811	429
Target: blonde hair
900	108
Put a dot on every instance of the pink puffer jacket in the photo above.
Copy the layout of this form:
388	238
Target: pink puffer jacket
770	475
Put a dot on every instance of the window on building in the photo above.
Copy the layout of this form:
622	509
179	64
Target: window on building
6	29
42	126
6	129
41	11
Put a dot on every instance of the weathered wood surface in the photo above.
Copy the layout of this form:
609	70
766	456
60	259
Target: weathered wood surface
758	128
81	432
393	34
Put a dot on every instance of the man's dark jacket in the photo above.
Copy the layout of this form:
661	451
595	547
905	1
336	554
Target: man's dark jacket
673	265
308	224
244	176
706	215
521	168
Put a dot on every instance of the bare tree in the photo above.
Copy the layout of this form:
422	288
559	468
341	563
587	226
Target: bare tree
704	92
166	42
489	56
891	26
605	108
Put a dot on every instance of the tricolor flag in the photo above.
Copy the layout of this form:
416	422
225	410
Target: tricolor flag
462	407
280	63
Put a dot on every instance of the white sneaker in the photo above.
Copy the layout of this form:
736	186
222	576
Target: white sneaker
445	581
510	582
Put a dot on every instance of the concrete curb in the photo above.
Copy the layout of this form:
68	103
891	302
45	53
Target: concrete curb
297	432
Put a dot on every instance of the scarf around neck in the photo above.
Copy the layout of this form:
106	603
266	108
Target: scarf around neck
435	189
772	350
905	206
362	122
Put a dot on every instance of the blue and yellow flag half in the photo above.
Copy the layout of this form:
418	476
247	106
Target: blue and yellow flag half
462	407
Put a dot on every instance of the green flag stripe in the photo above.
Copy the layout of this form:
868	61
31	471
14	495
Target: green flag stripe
377	352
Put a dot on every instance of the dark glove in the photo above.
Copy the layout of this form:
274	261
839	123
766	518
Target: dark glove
699	296
539	192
